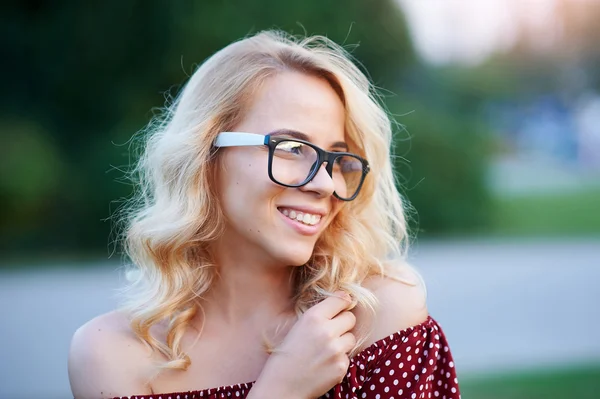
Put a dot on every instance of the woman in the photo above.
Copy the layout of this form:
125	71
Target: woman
269	241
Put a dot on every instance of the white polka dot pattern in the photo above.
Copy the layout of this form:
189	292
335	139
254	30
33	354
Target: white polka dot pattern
412	363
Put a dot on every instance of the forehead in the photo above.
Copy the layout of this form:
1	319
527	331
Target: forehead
299	102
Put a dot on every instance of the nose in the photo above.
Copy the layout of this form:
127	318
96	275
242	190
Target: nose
322	183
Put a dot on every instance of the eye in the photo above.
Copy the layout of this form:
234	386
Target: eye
347	164
290	147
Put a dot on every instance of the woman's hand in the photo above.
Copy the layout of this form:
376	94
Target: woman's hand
313	357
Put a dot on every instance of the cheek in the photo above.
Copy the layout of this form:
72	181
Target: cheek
336	206
237	173
247	191
336	209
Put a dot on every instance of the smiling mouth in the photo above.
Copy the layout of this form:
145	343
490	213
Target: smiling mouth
301	217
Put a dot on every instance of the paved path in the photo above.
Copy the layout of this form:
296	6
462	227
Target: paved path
503	305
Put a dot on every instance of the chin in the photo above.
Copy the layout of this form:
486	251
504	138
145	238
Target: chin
295	256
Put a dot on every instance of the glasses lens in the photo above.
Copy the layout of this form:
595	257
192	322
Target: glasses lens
293	162
347	174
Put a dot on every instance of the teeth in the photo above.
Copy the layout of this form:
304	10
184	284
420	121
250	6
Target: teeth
305	218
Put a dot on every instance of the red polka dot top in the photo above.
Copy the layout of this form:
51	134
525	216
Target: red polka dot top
411	363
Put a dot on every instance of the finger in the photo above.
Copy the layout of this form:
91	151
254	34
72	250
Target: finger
347	342
330	307
343	322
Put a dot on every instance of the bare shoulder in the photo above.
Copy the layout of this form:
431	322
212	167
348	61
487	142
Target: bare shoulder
107	360
402	303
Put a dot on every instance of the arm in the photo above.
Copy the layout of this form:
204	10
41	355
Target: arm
401	304
266	390
105	360
416	361
313	356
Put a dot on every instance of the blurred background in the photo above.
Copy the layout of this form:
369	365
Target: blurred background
497	149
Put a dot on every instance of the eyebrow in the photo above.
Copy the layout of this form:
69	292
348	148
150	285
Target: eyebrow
302	136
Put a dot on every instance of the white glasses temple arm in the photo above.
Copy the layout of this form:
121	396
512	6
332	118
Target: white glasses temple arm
231	139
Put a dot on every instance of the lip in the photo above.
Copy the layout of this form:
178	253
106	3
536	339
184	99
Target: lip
302	228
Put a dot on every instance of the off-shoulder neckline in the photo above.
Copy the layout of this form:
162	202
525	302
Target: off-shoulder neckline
360	355
398	334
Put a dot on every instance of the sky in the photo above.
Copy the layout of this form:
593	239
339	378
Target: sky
467	31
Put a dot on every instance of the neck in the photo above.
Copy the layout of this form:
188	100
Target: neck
246	290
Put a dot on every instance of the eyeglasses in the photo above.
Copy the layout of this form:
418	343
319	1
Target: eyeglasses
294	162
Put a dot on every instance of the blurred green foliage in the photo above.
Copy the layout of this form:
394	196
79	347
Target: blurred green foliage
443	171
580	381
82	77
573	213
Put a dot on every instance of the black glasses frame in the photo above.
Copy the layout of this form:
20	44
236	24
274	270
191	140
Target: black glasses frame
322	156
